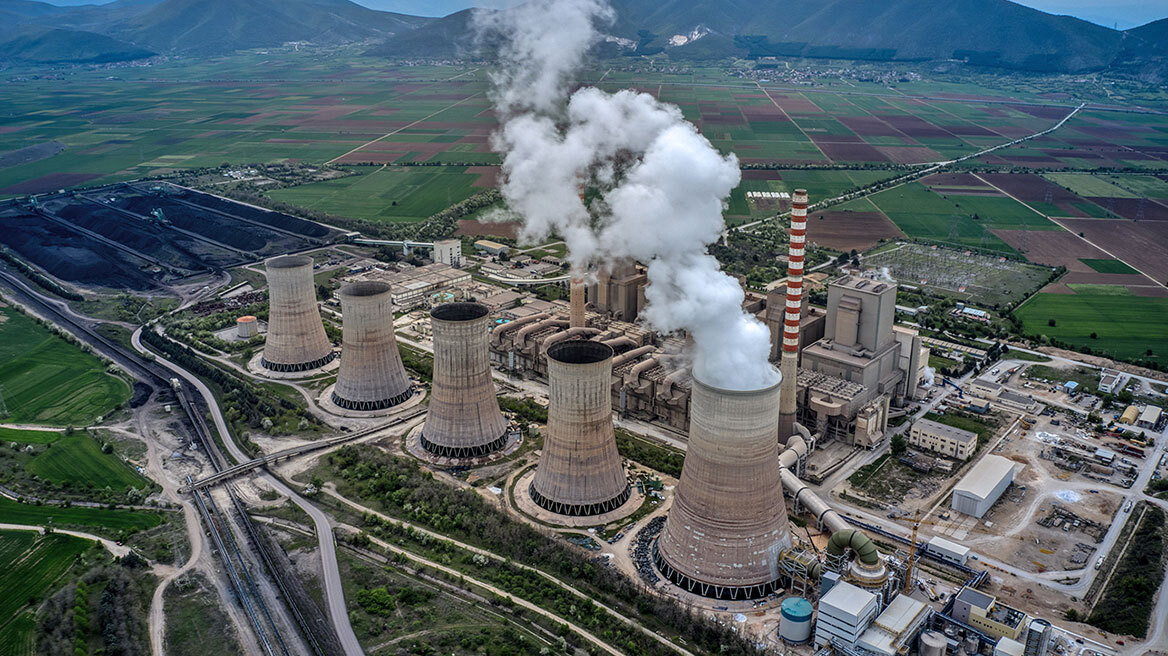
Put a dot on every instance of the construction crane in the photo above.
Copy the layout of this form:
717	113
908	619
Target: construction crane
159	216
912	555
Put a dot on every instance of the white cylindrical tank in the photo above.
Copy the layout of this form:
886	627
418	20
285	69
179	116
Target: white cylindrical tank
247	327
795	622
933	644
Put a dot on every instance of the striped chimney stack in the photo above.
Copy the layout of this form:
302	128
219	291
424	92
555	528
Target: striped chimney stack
789	363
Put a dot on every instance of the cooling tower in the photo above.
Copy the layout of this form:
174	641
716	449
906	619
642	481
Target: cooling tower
580	472
296	339
728	522
789	363
464	419
371	376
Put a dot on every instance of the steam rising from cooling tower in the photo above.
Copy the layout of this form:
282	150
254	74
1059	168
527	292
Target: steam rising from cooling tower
580	471
296	339
464	420
372	376
655	187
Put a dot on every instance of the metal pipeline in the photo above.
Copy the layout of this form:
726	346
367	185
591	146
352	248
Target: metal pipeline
632	355
498	333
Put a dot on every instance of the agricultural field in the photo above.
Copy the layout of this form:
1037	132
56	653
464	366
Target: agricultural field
28	436
1123	324
922	214
99	520
78	461
30	565
47	380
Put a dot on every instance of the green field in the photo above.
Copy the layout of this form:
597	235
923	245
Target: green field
113	521
1126	326
1002	213
47	380
78	460
1109	266
1147	186
920	213
386	194
28	436
1086	184
30	564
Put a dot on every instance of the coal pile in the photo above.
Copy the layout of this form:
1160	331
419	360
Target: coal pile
260	215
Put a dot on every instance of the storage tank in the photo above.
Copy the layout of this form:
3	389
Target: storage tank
247	327
971	644
795	622
580	471
372	376
464	420
933	644
296	339
728	524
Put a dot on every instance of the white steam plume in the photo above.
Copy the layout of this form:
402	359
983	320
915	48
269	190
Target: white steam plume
656	186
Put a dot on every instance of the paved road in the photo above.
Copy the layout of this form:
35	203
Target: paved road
333	591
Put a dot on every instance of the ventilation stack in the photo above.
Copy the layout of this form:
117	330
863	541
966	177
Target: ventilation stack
580	471
576	318
728	523
372	376
296	339
464	420
789	364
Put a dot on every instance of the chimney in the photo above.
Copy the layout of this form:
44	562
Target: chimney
576	299
789	363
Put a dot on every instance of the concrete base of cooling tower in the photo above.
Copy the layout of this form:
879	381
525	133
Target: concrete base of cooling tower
326	403
521	499
255	366
514	440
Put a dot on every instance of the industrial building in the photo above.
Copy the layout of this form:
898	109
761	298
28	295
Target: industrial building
1038	637
491	247
448	252
1108	381
619	291
414	287
950	552
896	628
296	339
580	471
979	489
984	388
1149	417
464	420
942	438
1008	647
845	612
371	375
728	523
984	613
1130	415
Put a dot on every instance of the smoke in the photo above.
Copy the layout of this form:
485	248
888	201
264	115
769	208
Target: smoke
620	176
886	275
928	376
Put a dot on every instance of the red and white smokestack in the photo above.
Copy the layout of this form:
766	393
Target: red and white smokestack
789	363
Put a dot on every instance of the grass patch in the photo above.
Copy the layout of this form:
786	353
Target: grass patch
984	430
29	566
48	380
1100	290
105	520
78	460
195	622
1086	377
920	213
1109	266
396	194
1126	327
1085	184
28	436
657	457
1128	599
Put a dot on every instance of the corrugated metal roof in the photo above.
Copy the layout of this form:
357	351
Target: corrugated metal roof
985	476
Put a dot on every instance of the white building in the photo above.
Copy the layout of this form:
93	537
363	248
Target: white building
845	612
950	552
448	252
896	628
1149	417
942	438
1008	647
983	485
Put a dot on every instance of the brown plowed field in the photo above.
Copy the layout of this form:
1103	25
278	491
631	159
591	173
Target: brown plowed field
847	230
1131	208
1143	245
953	180
487	229
911	154
851	152
1053	248
1030	188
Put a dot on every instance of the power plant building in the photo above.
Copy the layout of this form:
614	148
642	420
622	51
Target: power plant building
1008	647
728	523
979	489
296	338
371	375
448	252
1038	636
984	613
896	628
845	612
464	420
943	439
950	552
580	471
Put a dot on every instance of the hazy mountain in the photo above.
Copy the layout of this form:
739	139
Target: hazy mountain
989	32
1155	32
58	46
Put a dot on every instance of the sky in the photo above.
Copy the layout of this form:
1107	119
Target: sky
1125	14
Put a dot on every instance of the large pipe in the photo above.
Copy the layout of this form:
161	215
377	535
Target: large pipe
464	420
633	354
789	363
728	524
570	333
619	341
580	471
498	333
296	340
521	336
372	376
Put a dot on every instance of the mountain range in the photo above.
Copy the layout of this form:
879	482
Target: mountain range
995	33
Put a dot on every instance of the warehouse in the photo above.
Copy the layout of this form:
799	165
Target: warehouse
1149	417
844	613
943	439
982	486
896	628
950	552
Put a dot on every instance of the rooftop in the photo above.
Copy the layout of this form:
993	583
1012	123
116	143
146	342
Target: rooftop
975	598
902	613
985	476
1150	414
937	428
952	547
847	598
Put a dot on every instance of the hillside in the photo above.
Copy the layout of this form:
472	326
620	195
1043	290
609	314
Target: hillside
987	32
58	46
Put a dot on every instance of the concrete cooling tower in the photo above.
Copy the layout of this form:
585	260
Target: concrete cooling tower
464	420
728	522
296	339
372	376
580	471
